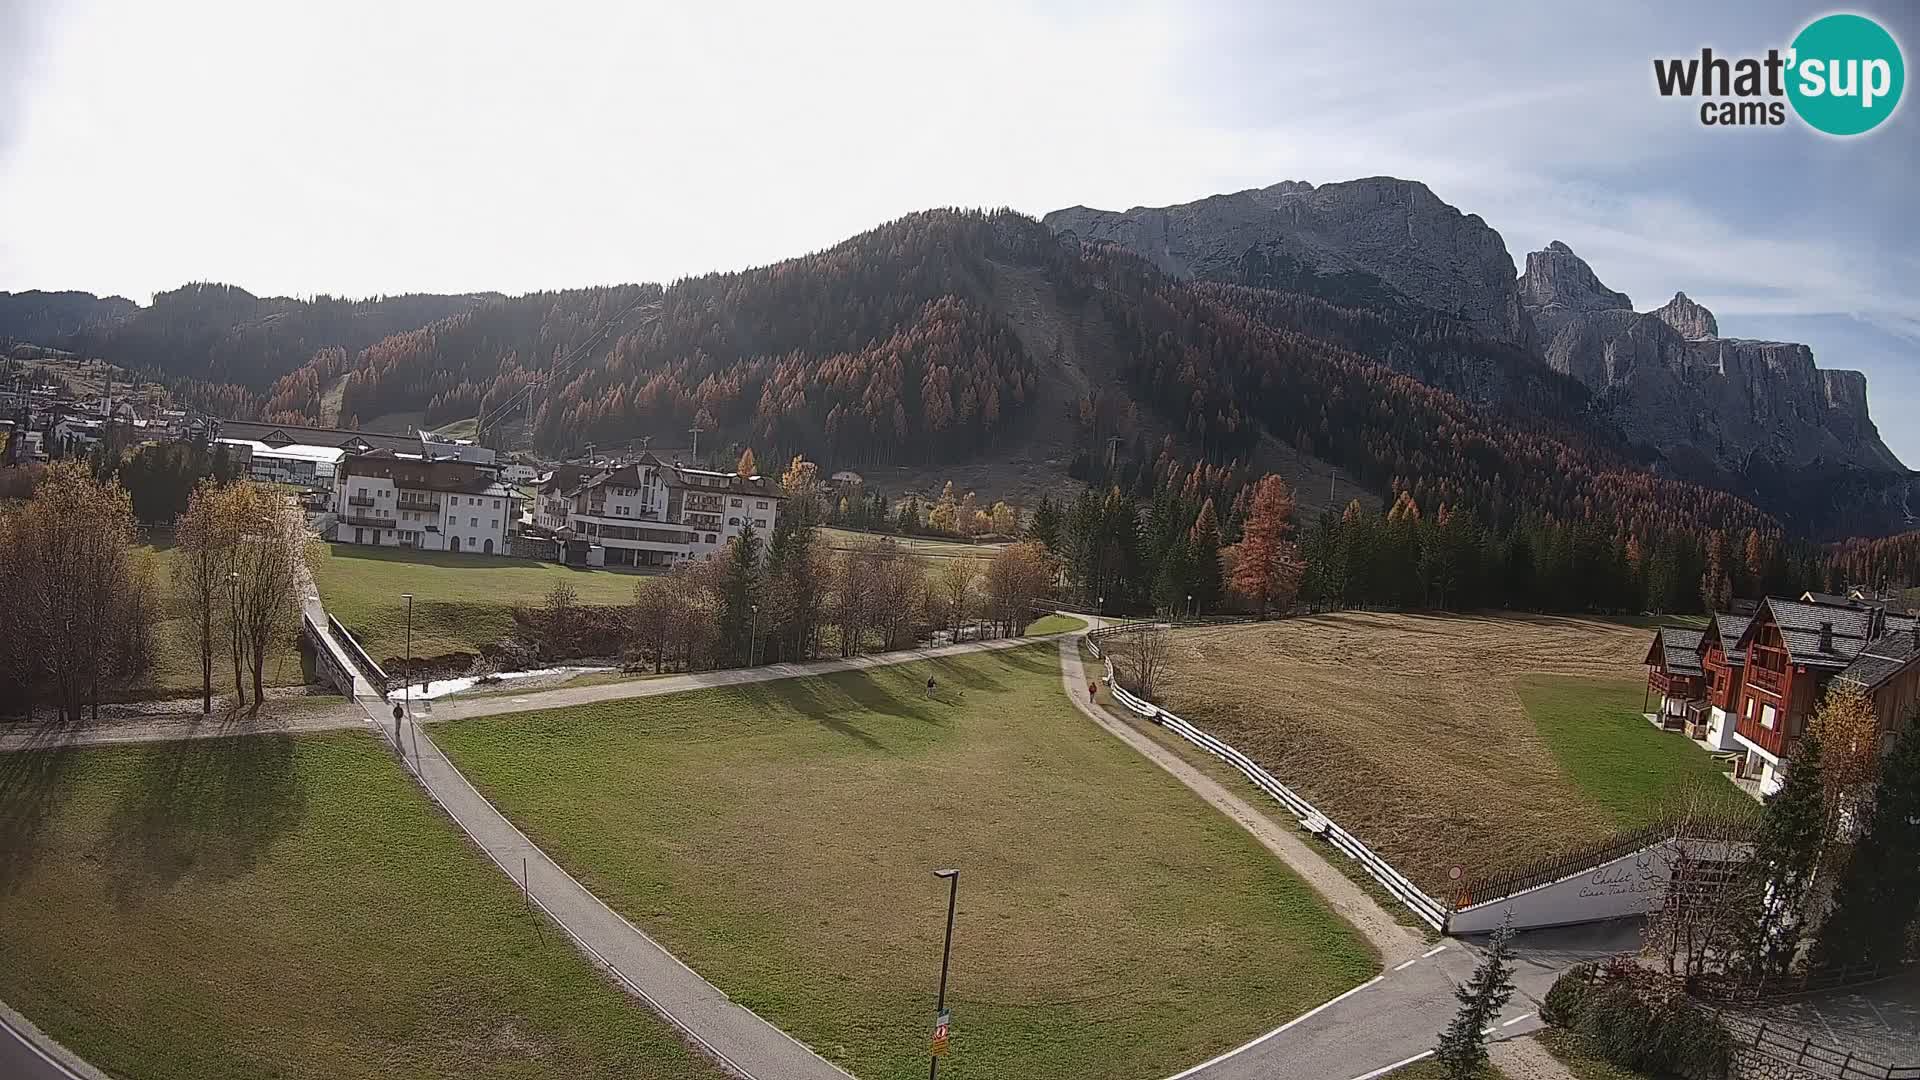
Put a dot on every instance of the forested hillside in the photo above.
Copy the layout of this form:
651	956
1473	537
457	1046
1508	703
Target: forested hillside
910	344
220	347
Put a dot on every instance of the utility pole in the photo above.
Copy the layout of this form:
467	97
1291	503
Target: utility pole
1113	448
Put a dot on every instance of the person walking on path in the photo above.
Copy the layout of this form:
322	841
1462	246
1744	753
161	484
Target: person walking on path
1093	690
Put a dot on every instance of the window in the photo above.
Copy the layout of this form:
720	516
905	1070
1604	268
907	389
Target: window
1767	717
473	523
735	502
494	524
733	521
712	539
496	504
761	505
760	523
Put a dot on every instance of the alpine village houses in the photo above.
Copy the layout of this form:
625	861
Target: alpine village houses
648	512
1749	684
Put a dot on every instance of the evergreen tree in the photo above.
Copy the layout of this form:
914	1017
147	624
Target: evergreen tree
1045	526
1786	855
1203	558
1879	892
740	593
1462	1052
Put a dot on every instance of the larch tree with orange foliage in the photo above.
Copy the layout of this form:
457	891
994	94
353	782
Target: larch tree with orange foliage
1265	564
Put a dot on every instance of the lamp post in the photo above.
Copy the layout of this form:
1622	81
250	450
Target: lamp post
753	636
1191	612
946	955
233	618
408	692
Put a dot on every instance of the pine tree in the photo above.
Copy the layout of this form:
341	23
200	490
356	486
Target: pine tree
1879	892
1786	854
1203	558
741	593
1045	526
1462	1051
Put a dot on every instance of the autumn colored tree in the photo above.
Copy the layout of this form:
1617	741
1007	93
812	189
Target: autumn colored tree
205	535
746	466
1849	734
79	604
1265	565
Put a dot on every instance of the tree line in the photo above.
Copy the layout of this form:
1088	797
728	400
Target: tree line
84	598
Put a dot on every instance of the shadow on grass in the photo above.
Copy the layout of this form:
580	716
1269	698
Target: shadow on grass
207	807
32	785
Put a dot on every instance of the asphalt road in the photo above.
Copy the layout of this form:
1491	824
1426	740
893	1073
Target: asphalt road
21	1057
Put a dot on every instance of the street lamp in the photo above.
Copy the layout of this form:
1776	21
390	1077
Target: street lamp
233	613
1102	602
753	636
408	692
1192	612
946	955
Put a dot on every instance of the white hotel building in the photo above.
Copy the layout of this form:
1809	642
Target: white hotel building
651	513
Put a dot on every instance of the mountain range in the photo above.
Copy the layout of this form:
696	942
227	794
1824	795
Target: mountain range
1758	418
1365	338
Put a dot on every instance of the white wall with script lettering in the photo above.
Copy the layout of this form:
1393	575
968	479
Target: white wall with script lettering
1629	885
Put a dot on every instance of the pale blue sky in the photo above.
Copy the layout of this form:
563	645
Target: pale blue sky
354	148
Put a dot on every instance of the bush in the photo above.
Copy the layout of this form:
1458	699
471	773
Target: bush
1639	1020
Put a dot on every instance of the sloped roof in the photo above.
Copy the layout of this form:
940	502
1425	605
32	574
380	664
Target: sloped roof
1886	656
255	431
1730	627
1852	627
1677	650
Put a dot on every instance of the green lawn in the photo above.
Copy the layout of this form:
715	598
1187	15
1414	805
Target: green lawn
781	837
1597	734
460	601
291	908
176	647
1055	624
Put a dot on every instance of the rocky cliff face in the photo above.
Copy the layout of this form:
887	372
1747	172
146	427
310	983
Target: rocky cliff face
1692	321
1559	285
1378	241
1713	406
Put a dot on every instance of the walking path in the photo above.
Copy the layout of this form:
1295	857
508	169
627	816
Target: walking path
732	1034
26	1053
456	708
1393	1019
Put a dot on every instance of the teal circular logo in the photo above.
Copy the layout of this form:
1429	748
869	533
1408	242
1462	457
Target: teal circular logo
1846	74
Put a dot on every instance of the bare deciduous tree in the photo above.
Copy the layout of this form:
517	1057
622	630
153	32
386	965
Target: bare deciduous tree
204	534
1138	656
263	576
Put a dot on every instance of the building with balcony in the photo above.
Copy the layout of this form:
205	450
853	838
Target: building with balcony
1674	673
1795	648
653	513
1725	665
424	502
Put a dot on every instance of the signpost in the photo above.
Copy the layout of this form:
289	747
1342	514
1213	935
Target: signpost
941	1016
940	1033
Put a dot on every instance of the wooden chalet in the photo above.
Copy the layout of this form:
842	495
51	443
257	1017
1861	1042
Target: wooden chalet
1725	665
1674	673
1794	648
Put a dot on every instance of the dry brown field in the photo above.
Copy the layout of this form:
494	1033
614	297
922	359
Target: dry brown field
1411	731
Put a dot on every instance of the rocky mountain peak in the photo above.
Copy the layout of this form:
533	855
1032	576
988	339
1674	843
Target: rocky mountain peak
1693	321
1559	283
1376	240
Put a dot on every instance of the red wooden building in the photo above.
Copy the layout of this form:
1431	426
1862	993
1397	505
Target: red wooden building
1794	648
1725	665
1674	673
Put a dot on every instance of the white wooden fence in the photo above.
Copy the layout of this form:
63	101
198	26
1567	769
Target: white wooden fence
1430	911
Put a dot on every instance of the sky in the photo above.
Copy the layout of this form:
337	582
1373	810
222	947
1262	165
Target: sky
367	148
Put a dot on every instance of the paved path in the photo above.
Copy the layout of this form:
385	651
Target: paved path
325	714
731	1033
1392	1019
456	708
26	1053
